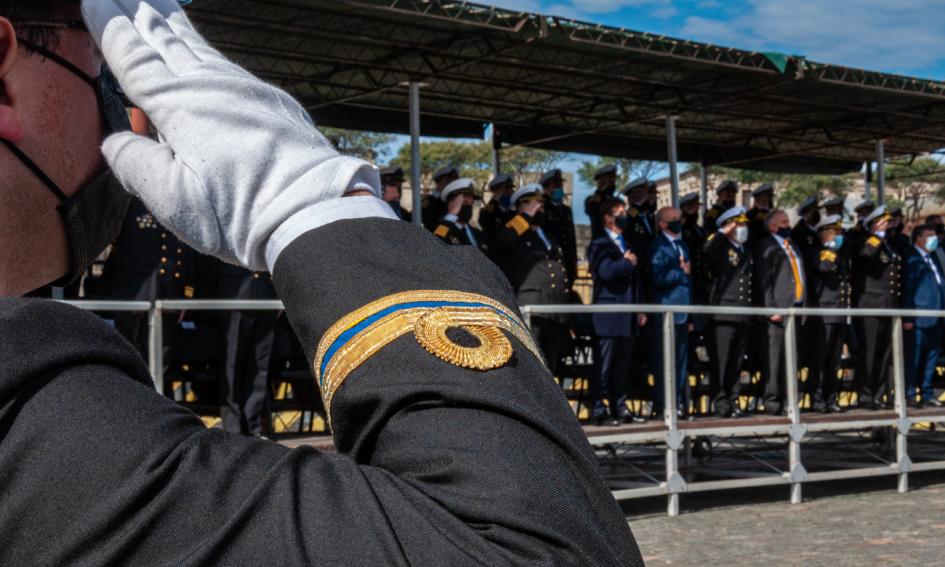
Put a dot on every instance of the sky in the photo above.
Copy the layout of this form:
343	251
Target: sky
893	36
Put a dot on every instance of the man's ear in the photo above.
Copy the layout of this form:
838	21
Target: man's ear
11	128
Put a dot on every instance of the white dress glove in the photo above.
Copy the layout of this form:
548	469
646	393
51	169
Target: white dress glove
241	171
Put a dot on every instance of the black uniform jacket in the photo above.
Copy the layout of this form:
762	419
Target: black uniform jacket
431	209
437	464
559	224
492	217
877	278
731	270
775	282
454	235
537	274
592	208
831	286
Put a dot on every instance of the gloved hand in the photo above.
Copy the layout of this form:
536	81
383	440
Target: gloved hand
240	171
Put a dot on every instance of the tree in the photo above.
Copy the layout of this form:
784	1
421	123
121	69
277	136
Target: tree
795	189
474	160
627	169
527	164
368	146
917	183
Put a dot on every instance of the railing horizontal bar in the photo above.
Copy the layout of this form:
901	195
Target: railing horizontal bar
140	306
221	305
852	473
710	310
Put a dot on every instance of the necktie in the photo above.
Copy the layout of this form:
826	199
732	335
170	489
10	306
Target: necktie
622	243
938	278
544	239
798	283
470	235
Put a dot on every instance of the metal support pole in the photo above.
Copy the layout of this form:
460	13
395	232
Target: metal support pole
867	181
703	189
674	482
880	172
673	159
496	150
903	463
415	152
797	472
156	346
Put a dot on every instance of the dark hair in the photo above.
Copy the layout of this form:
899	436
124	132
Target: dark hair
918	231
609	205
35	11
932	219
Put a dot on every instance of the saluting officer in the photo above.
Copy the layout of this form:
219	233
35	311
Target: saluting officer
858	231
499	209
147	262
762	199
392	182
454	227
877	284
559	220
804	233
432	207
830	289
642	227
731	268
532	261
901	243
606	179
725	199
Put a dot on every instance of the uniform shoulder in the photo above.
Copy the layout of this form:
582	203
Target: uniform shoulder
518	224
711	237
490	207
442	230
712	213
828	256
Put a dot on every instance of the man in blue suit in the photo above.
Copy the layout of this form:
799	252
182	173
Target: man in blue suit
614	266
670	283
924	289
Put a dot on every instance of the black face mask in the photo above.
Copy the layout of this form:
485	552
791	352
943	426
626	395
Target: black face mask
538	218
691	218
784	232
93	215
465	214
674	226
623	222
940	229
814	219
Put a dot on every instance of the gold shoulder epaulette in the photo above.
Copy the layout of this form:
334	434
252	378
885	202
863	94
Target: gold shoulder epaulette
712	213
442	231
711	236
874	241
634	213
828	256
518	224
188	292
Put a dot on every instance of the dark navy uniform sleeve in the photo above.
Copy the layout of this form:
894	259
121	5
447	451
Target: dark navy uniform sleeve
438	464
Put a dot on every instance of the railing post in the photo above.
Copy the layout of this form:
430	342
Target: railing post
903	463
527	316
156	346
674	482
796	435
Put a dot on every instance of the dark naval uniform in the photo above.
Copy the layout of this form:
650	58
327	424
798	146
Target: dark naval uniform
147	262
757	224
592	208
249	340
455	235
445	456
492	217
877	284
695	238
538	276
432	209
730	273
559	223
709	223
831	288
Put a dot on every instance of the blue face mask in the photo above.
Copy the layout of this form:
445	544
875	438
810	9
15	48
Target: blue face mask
506	201
557	195
838	241
931	243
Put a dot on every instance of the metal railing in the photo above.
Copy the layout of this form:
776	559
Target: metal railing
672	436
796	429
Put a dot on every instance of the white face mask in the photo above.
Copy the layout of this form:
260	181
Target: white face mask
741	234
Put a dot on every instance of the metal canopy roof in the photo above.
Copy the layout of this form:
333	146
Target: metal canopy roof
567	85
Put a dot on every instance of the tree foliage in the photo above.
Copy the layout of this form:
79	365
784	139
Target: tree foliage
792	189
370	146
627	169
916	184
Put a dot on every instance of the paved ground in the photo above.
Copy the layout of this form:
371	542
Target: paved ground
860	523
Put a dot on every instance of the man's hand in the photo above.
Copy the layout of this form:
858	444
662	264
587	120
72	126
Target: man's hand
630	257
776	319
686	266
881	225
729	228
455	204
240	170
908	326
532	207
641	320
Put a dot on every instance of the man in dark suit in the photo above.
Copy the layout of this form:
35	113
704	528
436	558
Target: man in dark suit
780	283
830	288
444	456
455	228
924	288
432	207
877	284
560	220
725	195
670	283
613	266
532	261
731	268
499	209
606	180
392	182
